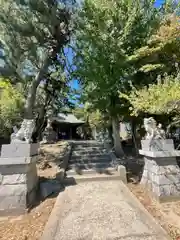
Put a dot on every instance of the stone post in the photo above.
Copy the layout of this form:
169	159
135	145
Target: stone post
161	173
18	177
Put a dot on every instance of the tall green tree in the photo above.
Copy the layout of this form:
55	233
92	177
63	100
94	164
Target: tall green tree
33	33
108	33
161	53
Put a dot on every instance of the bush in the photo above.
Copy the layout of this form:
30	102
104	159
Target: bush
11	106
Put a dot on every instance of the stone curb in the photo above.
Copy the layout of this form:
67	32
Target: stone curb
143	209
53	221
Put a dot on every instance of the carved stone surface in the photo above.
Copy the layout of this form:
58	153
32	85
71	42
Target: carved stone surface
19	150
18	178
25	131
161	173
153	131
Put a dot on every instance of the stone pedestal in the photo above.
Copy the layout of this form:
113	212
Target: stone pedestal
161	173
18	177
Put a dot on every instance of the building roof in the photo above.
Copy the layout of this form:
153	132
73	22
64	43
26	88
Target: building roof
67	118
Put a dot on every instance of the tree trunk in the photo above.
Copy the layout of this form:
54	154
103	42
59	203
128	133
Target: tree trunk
40	123
39	128
31	98
133	131
110	133
116	136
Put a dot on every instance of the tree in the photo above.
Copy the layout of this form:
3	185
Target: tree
108	33
160	56
161	53
33	33
11	106
94	119
52	96
160	98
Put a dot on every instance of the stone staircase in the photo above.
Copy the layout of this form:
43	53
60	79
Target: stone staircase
90	161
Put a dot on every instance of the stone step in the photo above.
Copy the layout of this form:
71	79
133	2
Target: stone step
86	166
88	148
89	151
90	157
88	143
76	172
90	160
114	175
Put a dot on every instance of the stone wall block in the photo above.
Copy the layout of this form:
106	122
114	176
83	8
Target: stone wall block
14	169
14	179
166	161
149	162
161	173
168	190
158	145
168	179
13	190
155	169
18	178
16	150
12	202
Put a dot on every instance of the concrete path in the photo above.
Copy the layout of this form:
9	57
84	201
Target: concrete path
104	210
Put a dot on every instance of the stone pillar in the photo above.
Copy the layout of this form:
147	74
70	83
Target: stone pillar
18	177
161	173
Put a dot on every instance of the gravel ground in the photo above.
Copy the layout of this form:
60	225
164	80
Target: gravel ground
100	210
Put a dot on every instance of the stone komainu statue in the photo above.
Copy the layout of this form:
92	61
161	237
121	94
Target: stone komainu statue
153	131
24	134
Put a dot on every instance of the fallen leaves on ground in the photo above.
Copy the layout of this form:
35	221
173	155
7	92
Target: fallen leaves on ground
29	226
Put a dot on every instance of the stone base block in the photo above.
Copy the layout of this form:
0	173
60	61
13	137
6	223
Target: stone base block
18	185
18	203
16	150
157	145
162	177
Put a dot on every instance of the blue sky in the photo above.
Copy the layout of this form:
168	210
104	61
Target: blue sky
74	83
159	2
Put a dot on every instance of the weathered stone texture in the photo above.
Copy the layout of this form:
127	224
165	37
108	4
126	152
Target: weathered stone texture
32	177
14	179
19	150
18	179
162	174
158	145
13	190
11	202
